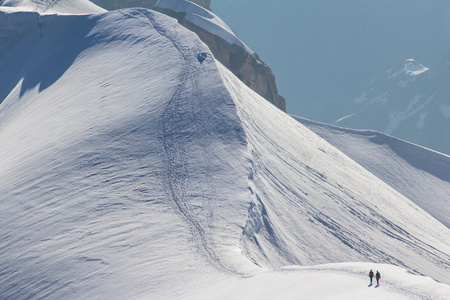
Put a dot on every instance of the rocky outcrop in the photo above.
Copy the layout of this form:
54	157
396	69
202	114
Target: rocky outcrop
248	67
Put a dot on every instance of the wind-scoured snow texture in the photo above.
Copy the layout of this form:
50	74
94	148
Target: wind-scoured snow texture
123	169
204	19
52	6
422	175
313	204
135	166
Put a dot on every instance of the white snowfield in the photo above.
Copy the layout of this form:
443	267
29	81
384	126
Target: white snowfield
135	166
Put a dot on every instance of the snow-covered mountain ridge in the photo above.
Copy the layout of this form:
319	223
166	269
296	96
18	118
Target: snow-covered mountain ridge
134	165
424	178
226	47
223	42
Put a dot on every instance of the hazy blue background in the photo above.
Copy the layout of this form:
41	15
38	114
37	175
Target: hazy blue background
325	50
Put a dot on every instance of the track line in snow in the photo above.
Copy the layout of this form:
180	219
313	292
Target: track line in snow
184	115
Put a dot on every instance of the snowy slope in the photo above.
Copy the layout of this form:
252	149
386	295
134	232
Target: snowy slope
313	204
90	175
110	159
418	173
136	166
331	281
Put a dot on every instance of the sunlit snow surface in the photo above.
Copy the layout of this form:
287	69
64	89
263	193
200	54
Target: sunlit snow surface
418	173
135	166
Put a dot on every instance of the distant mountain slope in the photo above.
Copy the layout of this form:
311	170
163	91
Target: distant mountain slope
409	101
420	174
134	165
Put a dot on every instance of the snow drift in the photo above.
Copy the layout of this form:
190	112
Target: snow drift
134	165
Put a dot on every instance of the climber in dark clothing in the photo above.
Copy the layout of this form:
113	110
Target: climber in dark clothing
378	277
371	276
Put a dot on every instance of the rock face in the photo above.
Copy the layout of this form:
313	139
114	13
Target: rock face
117	4
248	67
